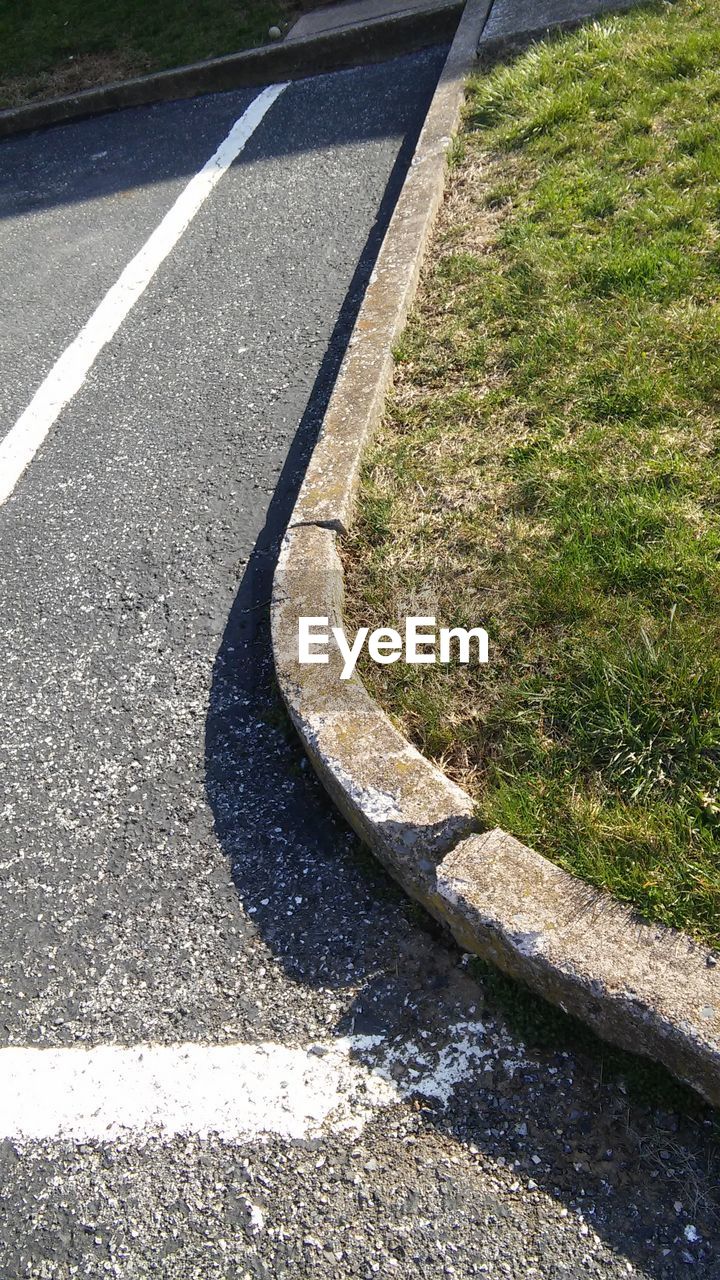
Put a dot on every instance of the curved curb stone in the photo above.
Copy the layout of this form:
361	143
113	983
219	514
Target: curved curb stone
364	42
644	987
400	804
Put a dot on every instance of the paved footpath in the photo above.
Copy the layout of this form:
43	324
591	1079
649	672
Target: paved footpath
230	1047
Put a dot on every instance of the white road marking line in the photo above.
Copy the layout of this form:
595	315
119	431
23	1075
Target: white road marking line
241	1092
236	1091
70	370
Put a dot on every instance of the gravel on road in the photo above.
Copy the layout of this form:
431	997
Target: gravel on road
171	870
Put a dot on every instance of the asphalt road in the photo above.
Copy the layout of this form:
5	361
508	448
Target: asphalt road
171	872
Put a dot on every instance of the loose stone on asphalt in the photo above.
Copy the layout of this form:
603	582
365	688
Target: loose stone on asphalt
172	873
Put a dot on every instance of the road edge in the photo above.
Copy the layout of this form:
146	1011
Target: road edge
647	988
366	42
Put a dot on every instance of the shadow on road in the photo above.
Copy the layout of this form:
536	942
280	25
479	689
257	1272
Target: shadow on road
129	152
552	1103
334	920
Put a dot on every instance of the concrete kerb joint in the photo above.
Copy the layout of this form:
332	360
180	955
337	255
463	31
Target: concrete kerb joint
644	987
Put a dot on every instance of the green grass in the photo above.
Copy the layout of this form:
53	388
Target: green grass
549	466
55	46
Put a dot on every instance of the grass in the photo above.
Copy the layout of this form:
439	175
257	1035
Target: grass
549	465
49	47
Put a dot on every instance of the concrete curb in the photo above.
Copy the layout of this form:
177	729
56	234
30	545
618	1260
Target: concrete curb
644	987
526	29
350	46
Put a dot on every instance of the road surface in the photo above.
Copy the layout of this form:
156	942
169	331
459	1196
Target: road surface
230	1047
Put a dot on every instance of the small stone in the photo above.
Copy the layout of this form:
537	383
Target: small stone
256	1219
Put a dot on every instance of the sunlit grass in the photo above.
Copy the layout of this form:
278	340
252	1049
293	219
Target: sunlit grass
550	463
55	46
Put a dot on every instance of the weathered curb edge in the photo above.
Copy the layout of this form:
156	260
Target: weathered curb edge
513	42
644	987
365	42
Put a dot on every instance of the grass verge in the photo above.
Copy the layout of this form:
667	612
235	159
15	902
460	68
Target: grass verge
549	465
51	47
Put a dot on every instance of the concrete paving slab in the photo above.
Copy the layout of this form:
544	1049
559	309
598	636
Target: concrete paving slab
511	20
350	13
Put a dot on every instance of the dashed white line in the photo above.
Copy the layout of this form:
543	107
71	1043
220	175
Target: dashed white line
70	370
